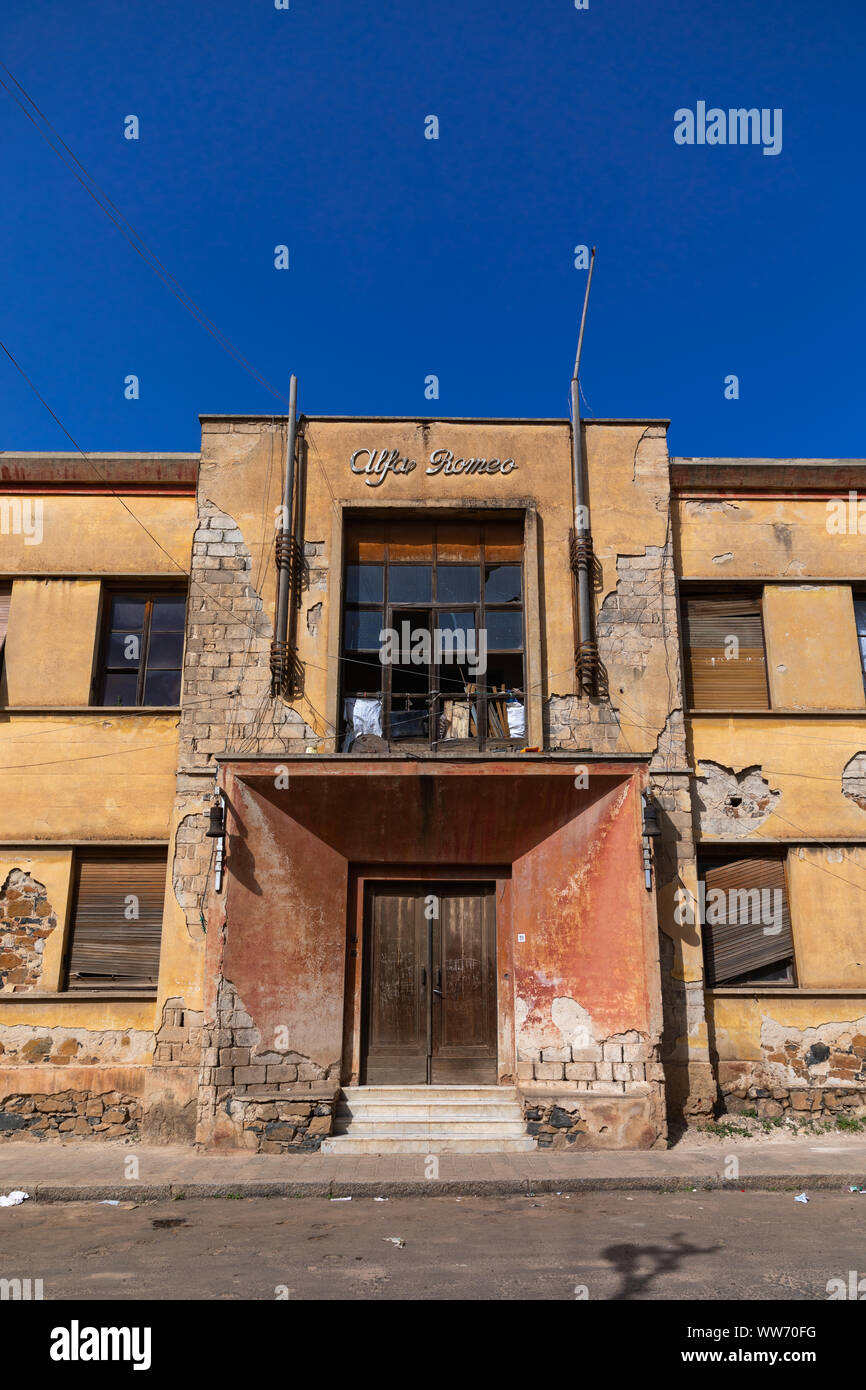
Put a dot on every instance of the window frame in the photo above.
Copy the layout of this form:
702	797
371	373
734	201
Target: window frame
149	591
721	592
721	854
391	609
120	855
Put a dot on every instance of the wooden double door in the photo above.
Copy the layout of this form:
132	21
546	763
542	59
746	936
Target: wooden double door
429	984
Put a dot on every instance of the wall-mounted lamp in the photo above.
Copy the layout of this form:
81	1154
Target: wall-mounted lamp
651	828
216	831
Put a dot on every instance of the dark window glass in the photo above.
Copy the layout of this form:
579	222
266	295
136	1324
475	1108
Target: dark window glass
361	672
860	615
124	651
143	650
504	630
128	613
120	689
456	622
458	583
362	628
162	688
165	649
410	583
365	583
503	584
168	614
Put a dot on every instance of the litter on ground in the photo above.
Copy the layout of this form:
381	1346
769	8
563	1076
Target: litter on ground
802	1198
14	1199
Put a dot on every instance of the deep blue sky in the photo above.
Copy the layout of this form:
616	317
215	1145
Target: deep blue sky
453	257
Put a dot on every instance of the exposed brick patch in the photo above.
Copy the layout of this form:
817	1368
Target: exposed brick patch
26	919
227	697
637	617
622	1063
179	1036
192	860
70	1115
242	1077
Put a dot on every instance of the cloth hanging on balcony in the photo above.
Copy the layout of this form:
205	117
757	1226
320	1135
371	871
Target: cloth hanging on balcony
363	716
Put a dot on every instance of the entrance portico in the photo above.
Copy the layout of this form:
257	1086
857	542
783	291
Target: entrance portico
405	922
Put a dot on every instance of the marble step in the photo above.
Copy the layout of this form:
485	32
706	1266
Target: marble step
345	1145
432	1129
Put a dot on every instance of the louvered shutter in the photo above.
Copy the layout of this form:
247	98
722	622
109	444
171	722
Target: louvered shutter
5	601
733	948
108	949
714	680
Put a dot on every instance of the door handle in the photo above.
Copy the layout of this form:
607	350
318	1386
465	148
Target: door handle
423	977
437	988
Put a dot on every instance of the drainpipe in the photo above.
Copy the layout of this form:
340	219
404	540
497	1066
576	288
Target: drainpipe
280	657
581	538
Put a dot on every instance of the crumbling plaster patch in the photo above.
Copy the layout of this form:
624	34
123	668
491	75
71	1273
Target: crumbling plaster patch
854	780
26	919
828	1052
28	1044
733	803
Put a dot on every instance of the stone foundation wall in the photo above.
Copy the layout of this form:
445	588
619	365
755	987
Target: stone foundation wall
818	1102
70	1115
561	1119
296	1120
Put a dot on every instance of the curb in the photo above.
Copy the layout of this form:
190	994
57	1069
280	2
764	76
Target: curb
454	1187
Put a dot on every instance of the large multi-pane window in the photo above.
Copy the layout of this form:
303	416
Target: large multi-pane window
142	648
433	632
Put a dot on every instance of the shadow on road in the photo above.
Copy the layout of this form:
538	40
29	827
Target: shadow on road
626	1259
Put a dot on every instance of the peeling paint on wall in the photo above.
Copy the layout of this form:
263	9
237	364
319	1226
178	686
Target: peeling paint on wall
30	1044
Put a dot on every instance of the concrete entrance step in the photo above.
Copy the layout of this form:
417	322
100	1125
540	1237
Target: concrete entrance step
432	1129
345	1145
409	1110
429	1119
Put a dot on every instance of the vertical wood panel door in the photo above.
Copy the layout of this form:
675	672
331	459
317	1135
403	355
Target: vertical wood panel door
429	985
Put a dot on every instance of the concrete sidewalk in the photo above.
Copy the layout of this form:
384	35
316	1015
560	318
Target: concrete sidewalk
60	1172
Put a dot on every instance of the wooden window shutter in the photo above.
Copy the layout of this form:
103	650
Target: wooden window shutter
5	601
108	949
715	680
737	944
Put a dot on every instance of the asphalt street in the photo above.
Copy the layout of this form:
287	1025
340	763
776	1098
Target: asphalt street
603	1246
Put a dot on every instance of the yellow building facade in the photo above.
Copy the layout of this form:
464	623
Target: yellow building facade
677	854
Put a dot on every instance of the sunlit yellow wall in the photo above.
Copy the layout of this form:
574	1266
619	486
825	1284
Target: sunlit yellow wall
91	777
813	657
737	1020
91	534
827	887
813	664
241	470
764	538
802	757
